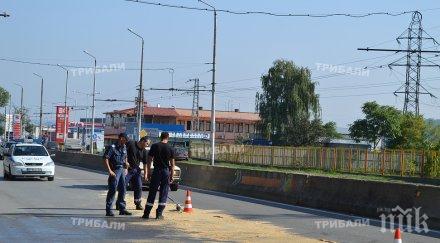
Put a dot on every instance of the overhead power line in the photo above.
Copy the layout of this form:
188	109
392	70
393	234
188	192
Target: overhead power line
248	12
85	67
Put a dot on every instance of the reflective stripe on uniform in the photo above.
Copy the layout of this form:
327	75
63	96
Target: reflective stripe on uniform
162	204
150	204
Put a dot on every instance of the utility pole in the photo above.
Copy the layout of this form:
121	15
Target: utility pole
6	123
10	115
213	85
171	71
140	107
414	36
65	102
93	103
41	105
195	121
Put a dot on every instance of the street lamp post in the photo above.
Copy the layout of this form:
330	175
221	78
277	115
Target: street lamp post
141	91
65	103
213	84
21	109
93	103
41	104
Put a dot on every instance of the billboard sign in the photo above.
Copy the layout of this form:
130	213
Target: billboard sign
59	123
16	127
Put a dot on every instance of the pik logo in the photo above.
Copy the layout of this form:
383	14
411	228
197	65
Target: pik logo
408	216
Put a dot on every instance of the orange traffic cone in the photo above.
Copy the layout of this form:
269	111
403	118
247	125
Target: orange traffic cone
188	204
397	237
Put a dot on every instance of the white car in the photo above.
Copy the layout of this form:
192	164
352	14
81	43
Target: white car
28	160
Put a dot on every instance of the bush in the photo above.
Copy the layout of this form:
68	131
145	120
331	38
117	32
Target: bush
432	165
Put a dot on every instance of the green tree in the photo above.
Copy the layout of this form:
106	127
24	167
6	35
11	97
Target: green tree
432	134
4	97
380	122
288	106
412	133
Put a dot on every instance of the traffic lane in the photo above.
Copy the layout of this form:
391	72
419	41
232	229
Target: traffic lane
301	220
91	185
297	220
38	210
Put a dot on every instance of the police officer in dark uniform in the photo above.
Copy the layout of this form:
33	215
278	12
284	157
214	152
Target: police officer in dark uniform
136	153
163	156
116	163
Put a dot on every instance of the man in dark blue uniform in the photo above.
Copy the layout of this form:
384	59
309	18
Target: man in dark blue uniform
163	156
136	153
116	164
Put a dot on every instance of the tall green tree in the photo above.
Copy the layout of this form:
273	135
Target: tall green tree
288	105
4	100
386	123
380	122
4	97
431	134
412	133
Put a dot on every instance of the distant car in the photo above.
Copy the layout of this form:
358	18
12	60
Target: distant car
5	148
174	185
28	160
181	153
73	144
52	146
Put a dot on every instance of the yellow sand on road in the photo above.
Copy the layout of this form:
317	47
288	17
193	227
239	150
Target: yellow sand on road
209	225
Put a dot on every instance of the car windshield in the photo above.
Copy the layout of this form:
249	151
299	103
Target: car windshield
30	151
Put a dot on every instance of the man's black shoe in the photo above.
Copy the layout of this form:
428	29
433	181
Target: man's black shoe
139	207
117	207
145	216
159	217
109	214
124	212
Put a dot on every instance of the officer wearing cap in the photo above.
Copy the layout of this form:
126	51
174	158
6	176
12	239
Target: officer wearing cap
116	161
136	153
163	156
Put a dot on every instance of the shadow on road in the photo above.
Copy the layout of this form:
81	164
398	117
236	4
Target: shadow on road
61	208
88	187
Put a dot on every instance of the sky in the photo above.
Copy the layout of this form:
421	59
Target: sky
57	32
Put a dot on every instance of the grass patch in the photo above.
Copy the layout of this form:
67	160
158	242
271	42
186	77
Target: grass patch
318	172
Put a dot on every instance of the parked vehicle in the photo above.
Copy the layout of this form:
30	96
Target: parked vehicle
52	147
28	160
181	153
5	148
73	144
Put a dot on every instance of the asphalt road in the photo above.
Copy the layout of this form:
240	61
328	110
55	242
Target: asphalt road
38	210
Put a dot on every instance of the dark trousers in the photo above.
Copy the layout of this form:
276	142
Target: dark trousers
116	183
160	181
134	178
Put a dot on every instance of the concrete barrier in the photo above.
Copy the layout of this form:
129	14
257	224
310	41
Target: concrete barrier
88	161
358	197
